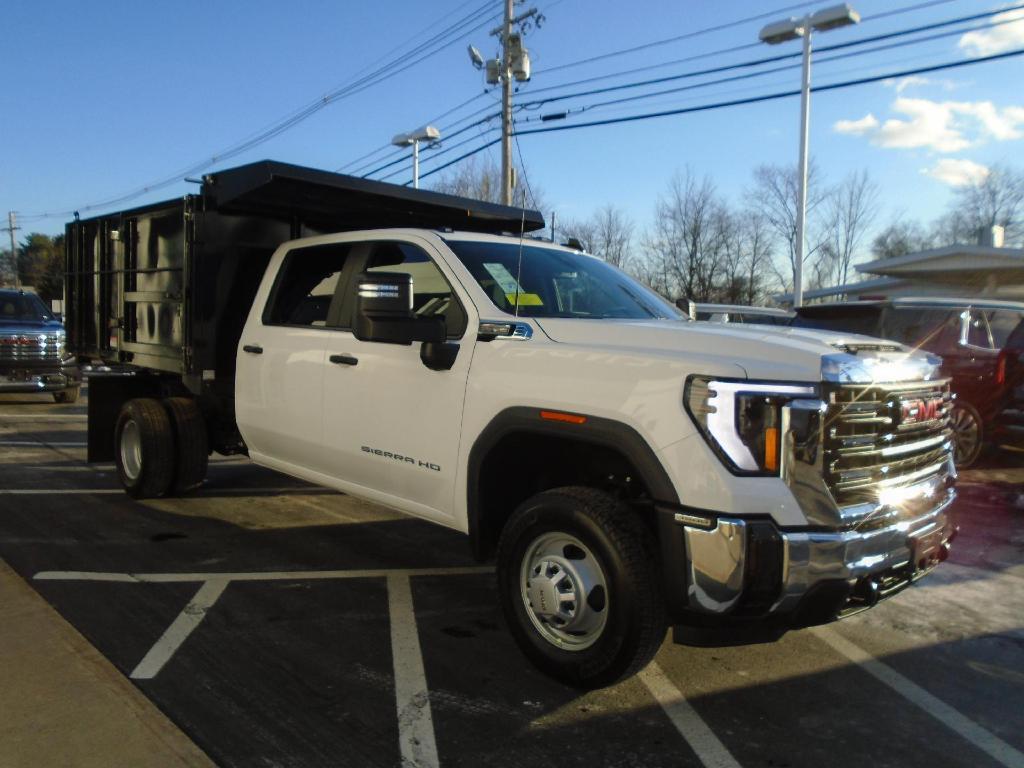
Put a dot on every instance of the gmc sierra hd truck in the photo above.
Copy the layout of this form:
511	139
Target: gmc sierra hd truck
629	469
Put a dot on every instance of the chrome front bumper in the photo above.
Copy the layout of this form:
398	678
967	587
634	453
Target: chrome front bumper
858	565
37	382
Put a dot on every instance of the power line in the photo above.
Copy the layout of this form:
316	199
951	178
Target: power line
775	70
748	46
773	59
780	95
728	25
741	102
438	42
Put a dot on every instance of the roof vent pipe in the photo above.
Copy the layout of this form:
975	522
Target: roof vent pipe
992	237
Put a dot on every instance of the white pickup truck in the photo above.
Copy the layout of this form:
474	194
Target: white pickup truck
629	469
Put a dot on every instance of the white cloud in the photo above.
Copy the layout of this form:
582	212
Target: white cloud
1009	35
857	127
942	126
956	172
906	82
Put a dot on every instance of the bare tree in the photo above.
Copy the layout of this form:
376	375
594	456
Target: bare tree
479	178
775	195
851	206
607	234
995	200
899	238
685	245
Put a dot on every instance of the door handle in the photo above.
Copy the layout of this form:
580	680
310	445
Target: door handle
344	359
253	349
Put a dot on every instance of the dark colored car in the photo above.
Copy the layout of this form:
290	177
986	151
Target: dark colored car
1010	376
32	356
967	333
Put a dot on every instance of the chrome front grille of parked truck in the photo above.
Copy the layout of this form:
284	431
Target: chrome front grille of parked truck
880	439
31	347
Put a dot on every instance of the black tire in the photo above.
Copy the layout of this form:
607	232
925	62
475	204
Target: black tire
968	434
625	549
192	455
146	473
69	395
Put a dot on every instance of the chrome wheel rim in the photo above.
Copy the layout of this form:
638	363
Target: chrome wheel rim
131	450
966	435
564	591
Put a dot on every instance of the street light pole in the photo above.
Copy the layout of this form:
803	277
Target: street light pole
780	32
801	210
413	139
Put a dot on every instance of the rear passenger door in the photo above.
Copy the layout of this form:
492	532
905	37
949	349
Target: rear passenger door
280	363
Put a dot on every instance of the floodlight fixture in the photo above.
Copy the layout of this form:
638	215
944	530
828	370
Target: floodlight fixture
476	57
413	139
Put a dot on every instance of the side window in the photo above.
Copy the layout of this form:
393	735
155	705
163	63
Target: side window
977	330
432	295
1002	323
306	285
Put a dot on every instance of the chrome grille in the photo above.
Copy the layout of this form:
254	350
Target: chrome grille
885	436
30	347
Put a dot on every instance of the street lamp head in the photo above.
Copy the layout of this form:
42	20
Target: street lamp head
426	133
782	31
476	57
834	17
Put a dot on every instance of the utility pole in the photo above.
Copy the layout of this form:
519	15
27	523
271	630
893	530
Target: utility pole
506	107
11	227
513	65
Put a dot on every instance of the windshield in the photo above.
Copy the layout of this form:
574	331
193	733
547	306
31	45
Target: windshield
556	283
23	307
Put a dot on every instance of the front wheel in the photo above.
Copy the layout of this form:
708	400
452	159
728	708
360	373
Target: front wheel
580	588
968	434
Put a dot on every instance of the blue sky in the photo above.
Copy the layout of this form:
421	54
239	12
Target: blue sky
102	98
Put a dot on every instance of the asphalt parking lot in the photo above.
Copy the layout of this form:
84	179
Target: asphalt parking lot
278	624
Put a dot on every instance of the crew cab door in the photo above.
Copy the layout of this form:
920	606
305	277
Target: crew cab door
279	374
391	424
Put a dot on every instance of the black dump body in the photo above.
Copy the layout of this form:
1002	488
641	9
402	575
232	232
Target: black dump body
166	289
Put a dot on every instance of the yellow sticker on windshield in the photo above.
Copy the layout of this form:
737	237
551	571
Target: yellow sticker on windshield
525	300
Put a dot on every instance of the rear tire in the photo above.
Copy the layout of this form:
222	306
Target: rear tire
192	455
144	443
69	395
583	551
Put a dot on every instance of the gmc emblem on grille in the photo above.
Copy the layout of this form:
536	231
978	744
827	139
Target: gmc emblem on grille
917	411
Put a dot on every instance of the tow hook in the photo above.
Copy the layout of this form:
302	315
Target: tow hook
865	592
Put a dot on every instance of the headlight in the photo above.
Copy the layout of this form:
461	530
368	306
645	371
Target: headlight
741	419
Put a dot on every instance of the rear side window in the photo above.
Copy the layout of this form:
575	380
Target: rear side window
306	286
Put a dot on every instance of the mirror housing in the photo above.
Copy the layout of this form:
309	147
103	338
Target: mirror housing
688	306
384	314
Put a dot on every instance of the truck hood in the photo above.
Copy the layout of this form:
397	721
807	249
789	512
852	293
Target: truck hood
30	326
762	351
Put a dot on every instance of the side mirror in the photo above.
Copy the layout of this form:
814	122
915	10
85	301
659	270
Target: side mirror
384	311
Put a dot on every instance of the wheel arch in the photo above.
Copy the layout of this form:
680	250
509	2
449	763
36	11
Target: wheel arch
605	442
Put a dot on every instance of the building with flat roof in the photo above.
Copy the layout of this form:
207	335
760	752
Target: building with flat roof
989	271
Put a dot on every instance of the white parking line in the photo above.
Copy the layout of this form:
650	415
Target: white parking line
180	629
252	490
39	444
940	710
165	578
415	723
684	717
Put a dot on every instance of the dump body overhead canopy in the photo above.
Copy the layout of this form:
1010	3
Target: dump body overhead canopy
334	201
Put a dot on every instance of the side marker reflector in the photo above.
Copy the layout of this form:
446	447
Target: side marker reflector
568	418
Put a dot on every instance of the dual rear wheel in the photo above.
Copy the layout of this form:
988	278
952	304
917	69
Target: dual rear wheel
160	446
